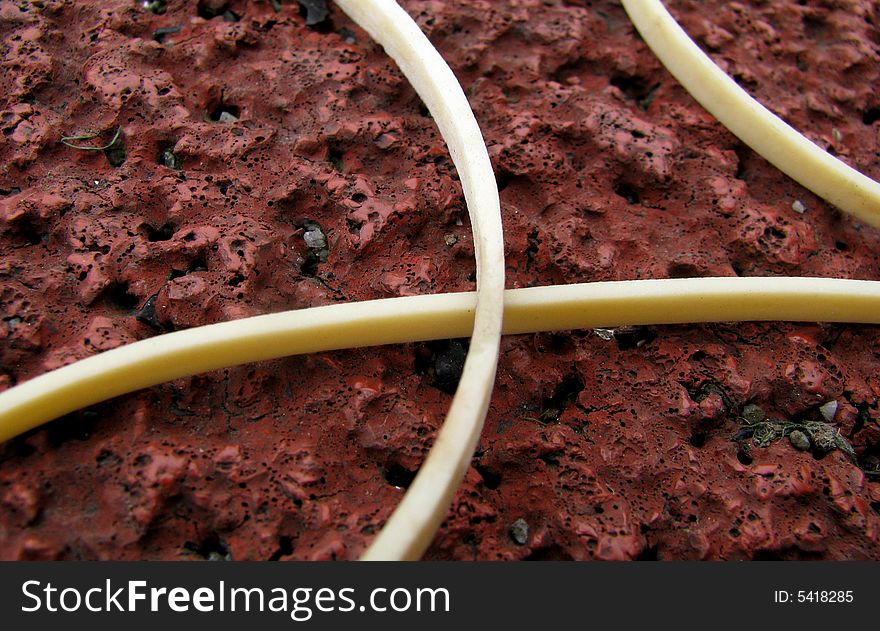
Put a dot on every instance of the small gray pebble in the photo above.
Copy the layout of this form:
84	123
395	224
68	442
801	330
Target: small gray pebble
315	239
799	440
519	531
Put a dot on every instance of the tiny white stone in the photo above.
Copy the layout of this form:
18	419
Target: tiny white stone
519	531
828	410
226	117
835	133
798	206
605	334
315	239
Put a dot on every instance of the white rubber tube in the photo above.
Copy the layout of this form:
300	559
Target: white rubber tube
408	532
751	122
418	318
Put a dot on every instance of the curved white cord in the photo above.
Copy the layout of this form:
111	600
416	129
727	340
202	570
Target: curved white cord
408	532
418	318
751	122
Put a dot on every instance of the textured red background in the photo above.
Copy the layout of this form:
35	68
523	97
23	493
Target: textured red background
605	449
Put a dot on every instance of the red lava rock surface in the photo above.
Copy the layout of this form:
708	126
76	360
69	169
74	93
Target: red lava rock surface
244	132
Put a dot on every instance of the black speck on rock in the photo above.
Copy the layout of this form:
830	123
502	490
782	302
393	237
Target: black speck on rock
316	11
148	315
448	364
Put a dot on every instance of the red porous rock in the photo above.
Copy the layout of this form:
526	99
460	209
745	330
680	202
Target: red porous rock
245	135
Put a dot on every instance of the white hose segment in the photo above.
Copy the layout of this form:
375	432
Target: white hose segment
751	122
408	532
419	318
